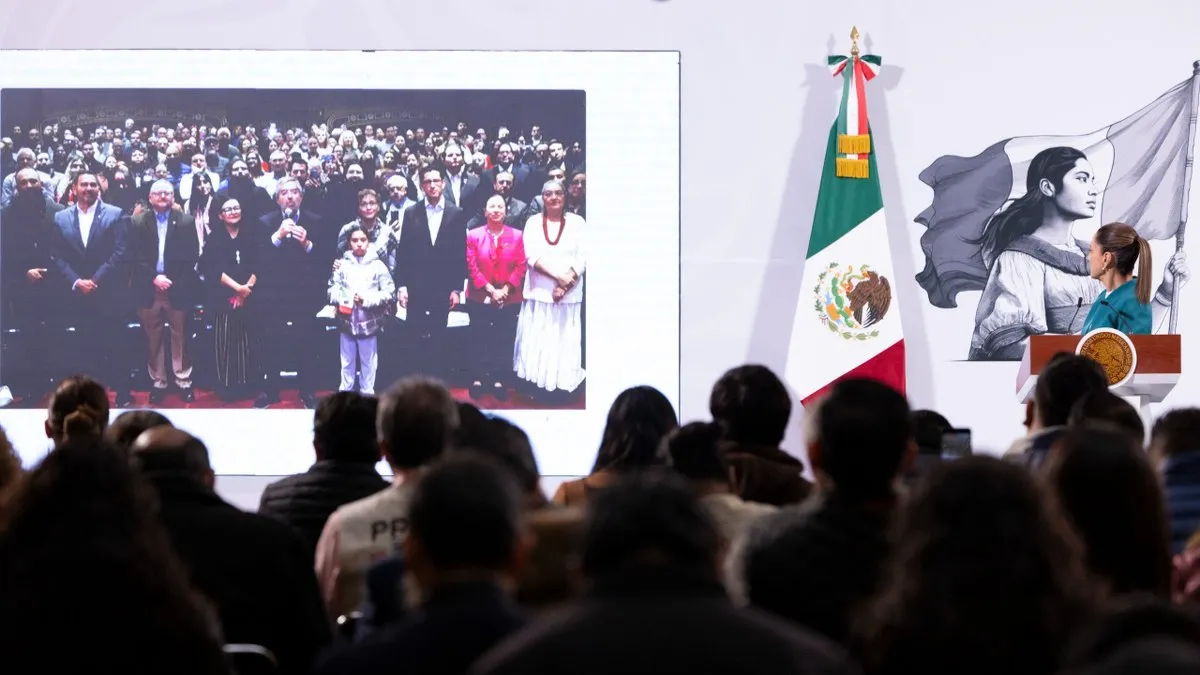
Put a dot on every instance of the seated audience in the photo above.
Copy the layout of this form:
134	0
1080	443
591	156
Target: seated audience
89	581
465	544
11	471
1175	451
985	577
753	407
1131	620
1112	498
78	394
550	576
1065	379
1105	406
346	451
928	429
655	602
637	421
255	570
417	420
130	424
818	564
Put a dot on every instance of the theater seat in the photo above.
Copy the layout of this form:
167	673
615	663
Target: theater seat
251	659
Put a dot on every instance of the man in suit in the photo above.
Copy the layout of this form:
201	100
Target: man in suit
25	228
87	246
506	162
431	267
458	186
164	247
297	274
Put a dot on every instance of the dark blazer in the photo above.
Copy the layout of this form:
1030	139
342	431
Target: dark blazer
466	201
521	175
430	270
295	281
180	255
100	260
25	244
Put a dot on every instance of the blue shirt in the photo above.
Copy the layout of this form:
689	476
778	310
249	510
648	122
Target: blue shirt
1120	310
162	238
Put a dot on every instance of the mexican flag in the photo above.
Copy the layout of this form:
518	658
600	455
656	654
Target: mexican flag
847	322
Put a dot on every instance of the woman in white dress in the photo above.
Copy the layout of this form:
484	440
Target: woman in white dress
549	347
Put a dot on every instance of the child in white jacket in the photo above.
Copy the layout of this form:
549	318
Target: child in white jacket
362	289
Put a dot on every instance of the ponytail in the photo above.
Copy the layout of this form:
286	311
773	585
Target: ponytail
1145	271
84	422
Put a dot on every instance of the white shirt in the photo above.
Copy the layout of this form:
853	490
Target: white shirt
85	221
454	182
434	214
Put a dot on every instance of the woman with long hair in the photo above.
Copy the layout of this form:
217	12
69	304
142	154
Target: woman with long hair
231	264
638	420
985	577
1039	279
78	408
204	206
1124	304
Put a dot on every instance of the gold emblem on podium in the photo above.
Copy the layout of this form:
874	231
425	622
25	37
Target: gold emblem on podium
1113	350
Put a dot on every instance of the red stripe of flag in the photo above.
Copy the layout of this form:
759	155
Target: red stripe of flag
887	367
860	85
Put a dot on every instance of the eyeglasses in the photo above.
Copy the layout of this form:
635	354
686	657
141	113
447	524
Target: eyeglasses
231	209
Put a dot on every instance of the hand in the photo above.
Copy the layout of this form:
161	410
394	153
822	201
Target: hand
300	235
86	286
559	293
243	291
402	298
567	280
1177	273
162	283
453	299
237	302
358	299
285	228
337	265
138	209
36	274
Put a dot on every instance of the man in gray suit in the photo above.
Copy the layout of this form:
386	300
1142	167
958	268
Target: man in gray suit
87	245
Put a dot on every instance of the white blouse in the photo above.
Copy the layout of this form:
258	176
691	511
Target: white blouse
567	254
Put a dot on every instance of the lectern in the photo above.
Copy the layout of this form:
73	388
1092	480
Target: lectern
1145	378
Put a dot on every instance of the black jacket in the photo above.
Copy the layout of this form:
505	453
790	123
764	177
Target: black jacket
306	500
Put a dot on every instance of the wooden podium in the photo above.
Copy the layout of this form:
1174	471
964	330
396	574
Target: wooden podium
1159	363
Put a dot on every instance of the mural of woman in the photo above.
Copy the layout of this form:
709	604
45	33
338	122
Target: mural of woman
1038	280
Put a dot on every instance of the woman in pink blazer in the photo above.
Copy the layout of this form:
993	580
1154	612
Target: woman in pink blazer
496	265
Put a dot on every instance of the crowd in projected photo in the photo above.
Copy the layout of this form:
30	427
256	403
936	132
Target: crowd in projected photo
215	249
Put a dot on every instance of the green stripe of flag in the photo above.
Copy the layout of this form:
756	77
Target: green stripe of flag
842	203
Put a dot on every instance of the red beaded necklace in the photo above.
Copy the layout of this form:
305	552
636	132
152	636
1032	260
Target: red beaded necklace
562	225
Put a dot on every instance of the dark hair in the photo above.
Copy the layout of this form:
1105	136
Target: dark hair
981	561
83	173
179	453
647	518
1024	215
505	443
472	425
78	407
1105	406
1129	620
752	404
1113	498
132	606
344	428
637	421
1127	247
928	428
1176	432
1065	379
864	429
427	169
417	419
130	424
466	514
10	467
693	451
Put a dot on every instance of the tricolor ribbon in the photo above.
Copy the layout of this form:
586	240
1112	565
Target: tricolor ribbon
854	132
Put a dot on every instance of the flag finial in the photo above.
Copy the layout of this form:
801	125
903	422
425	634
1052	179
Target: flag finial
854	42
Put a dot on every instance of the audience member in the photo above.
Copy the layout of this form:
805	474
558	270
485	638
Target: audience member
11	471
1062	382
817	564
637	422
1113	499
1130	620
465	544
985	577
506	443
78	408
753	407
346	451
417	420
1105	406
1154	656
90	582
130	424
655	601
256	571
929	428
1175	451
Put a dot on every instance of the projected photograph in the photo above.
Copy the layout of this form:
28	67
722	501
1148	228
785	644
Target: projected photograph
251	248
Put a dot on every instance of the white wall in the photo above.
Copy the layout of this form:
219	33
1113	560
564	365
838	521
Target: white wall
756	105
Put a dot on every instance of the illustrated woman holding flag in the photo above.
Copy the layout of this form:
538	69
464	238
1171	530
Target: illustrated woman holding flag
1039	280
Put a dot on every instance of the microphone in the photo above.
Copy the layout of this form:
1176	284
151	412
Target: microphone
289	214
1078	306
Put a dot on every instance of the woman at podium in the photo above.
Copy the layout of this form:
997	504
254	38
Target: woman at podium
1124	304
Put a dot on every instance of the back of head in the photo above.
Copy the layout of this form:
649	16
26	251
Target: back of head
344	428
1065	379
928	429
636	424
752	405
505	443
650	519
171	451
1112	497
472	425
1176	432
1105	406
1129	620
692	451
1127	247
862	430
417	420
1152	656
78	407
466	514
548	577
130	424
10	467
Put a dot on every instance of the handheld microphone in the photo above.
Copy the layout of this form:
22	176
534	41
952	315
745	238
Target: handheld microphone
1078	306
288	214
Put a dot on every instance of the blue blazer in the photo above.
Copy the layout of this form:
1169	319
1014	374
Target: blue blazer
102	257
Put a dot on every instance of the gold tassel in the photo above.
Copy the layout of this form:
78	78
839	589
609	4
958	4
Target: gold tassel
854	145
852	168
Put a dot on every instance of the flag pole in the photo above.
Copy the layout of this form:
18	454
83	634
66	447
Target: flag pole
1189	164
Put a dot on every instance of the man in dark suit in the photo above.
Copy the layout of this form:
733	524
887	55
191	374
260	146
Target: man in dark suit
459	187
25	228
164	248
294	290
506	162
87	246
431	268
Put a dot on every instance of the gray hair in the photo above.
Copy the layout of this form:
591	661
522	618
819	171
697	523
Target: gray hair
162	185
